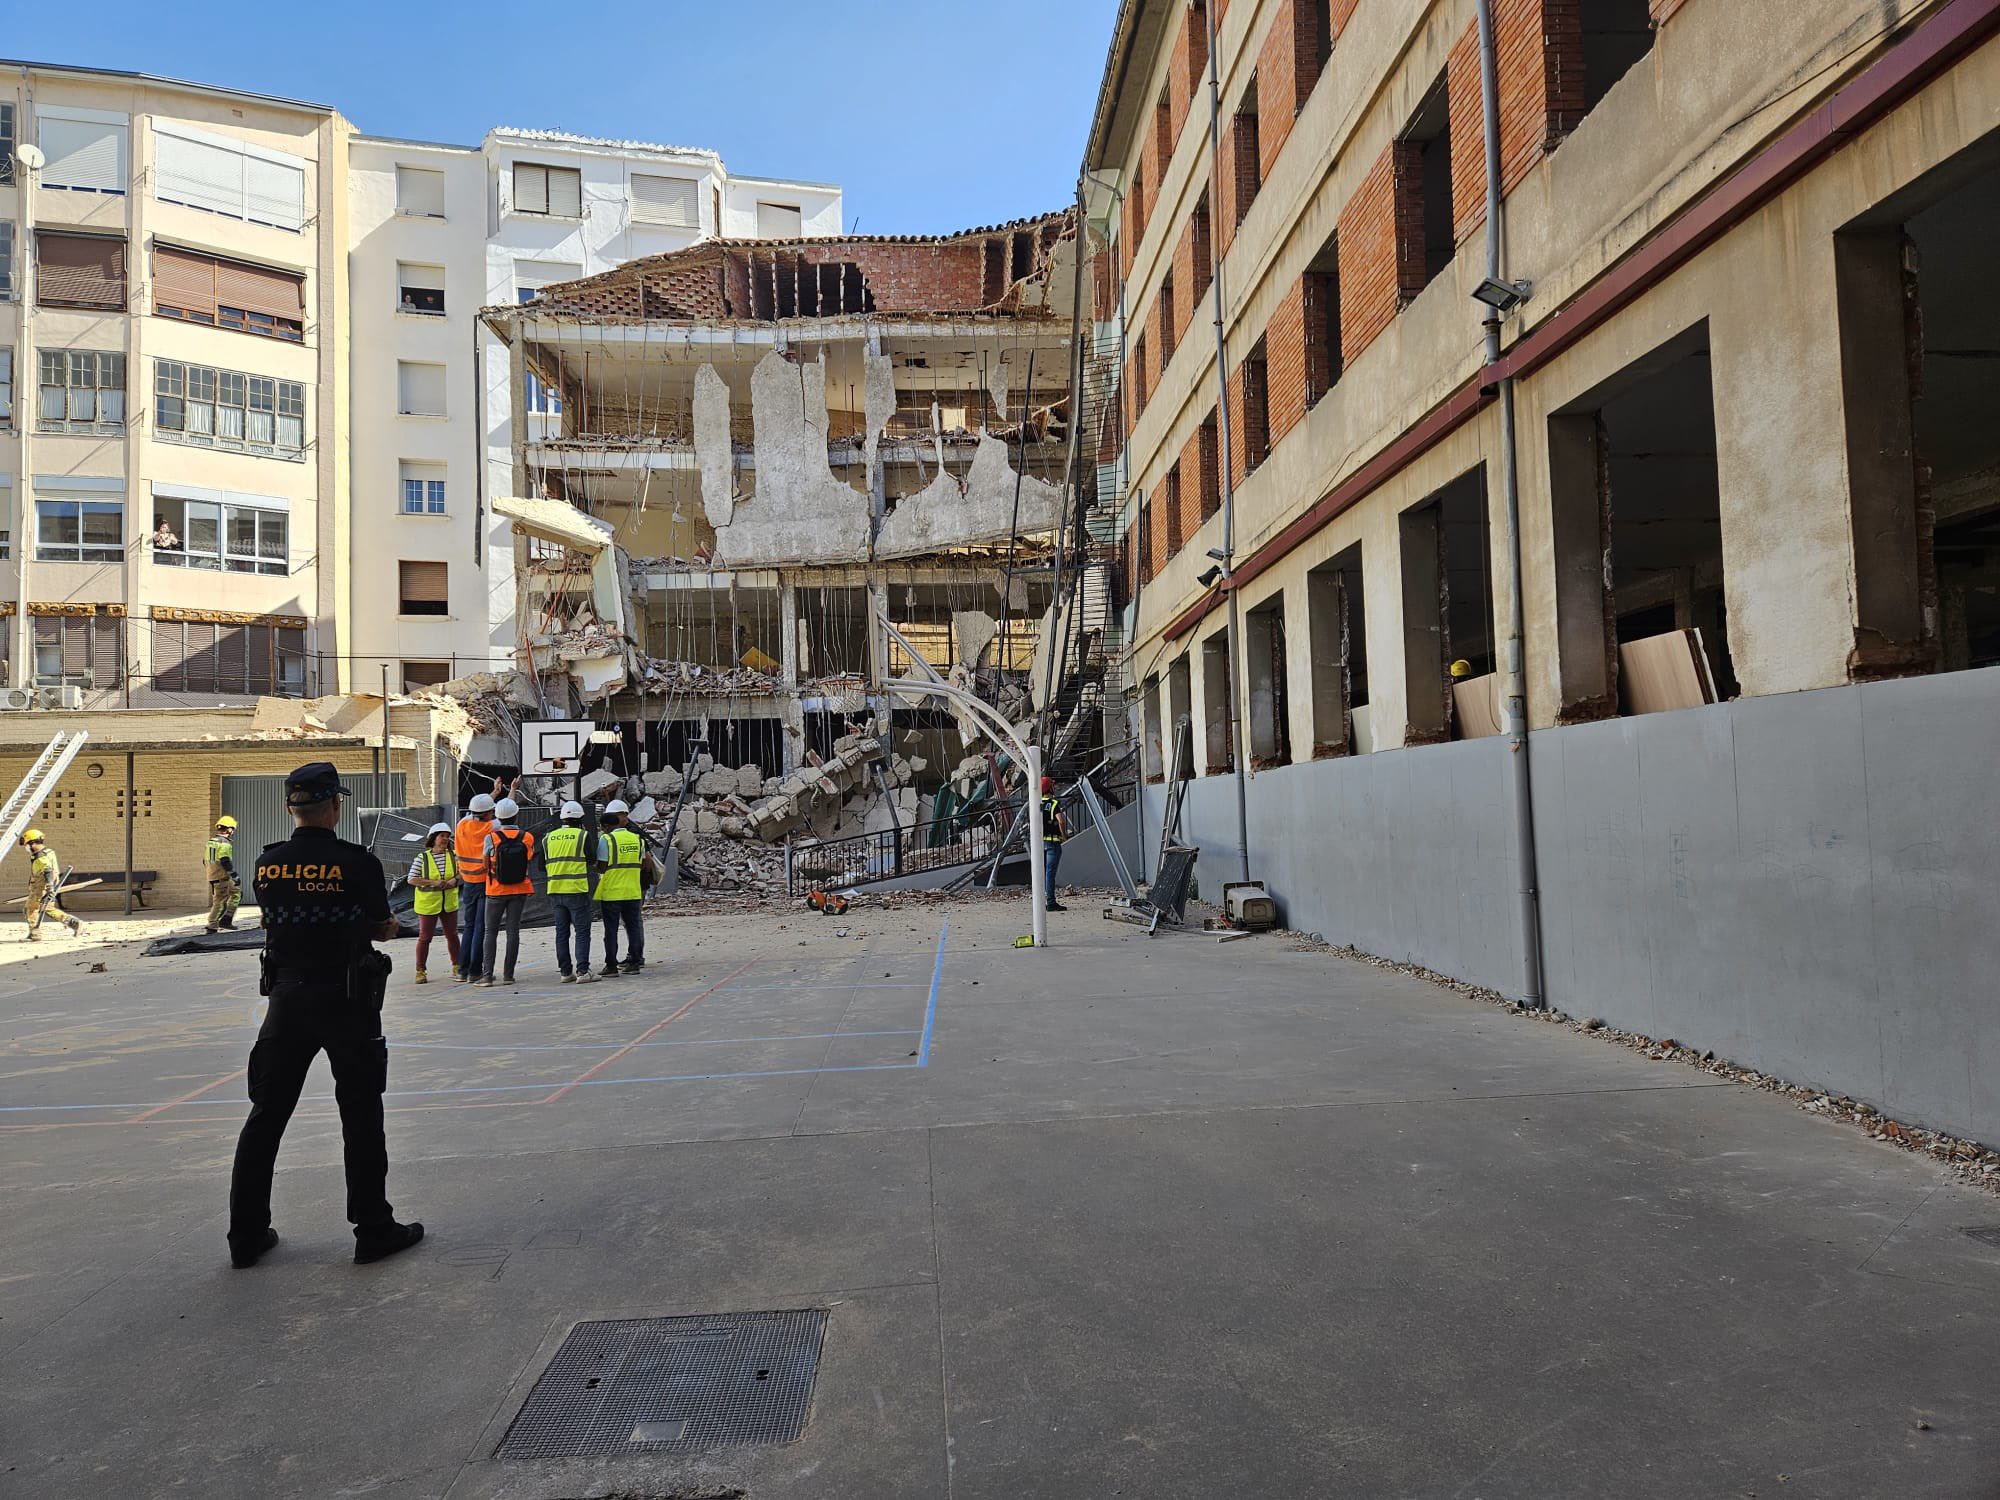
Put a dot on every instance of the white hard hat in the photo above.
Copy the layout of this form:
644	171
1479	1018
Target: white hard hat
572	809
616	805
506	807
439	828
481	803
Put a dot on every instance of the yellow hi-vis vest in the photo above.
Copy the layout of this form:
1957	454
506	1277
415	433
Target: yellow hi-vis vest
620	880
437	867
1052	820
563	857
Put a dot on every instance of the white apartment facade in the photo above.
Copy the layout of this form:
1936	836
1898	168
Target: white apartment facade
172	403
436	232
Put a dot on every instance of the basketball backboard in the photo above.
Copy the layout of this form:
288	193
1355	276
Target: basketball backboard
554	747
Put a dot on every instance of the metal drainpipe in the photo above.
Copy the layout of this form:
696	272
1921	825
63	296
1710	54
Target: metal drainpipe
27	377
1512	663
1239	750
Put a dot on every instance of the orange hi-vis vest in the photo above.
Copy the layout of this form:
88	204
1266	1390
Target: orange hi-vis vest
494	885
469	844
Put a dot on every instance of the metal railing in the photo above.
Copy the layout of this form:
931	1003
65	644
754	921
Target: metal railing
964	838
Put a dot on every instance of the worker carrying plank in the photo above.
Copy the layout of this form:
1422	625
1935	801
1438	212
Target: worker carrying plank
44	886
225	891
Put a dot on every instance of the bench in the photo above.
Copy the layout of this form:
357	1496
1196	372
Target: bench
113	884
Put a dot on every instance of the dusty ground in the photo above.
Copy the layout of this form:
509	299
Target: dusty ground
1121	1217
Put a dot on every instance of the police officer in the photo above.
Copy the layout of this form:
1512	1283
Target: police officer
225	892
324	900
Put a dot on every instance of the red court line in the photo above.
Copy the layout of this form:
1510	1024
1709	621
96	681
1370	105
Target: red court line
647	1035
160	1109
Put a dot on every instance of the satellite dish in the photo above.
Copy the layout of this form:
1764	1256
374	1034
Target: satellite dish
31	156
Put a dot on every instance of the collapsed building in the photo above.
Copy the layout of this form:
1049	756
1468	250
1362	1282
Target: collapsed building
756	480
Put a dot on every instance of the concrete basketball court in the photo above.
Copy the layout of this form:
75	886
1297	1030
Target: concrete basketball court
1122	1217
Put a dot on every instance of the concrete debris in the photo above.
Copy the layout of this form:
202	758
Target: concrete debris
601	786
1970	1161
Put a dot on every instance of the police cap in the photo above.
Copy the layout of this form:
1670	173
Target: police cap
313	783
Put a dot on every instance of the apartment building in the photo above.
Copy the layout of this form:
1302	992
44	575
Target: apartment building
1583	557
172	388
437	233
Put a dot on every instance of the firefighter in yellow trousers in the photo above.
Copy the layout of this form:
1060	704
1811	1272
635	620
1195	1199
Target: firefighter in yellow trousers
225	891
44	884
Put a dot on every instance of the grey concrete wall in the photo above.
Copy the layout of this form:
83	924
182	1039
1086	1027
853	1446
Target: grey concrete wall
1804	883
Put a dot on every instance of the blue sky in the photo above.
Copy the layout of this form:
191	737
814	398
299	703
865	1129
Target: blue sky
929	121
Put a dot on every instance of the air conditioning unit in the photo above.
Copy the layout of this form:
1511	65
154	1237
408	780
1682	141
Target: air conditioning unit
60	697
16	698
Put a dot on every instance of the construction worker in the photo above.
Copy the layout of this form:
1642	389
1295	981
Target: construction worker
507	853
621	893
325	904
225	891
434	877
469	846
1054	831
566	857
44	886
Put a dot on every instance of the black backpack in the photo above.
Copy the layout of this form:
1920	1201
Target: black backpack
510	858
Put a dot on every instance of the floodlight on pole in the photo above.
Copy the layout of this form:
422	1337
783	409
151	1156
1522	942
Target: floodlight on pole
1502	296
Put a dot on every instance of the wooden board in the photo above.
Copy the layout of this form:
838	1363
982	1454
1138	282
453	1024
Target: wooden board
1477	700
1664	672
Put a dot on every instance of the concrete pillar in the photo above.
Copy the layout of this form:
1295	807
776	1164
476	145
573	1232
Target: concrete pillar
792	715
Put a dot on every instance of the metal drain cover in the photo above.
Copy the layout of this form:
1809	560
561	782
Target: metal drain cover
672	1385
1987	1236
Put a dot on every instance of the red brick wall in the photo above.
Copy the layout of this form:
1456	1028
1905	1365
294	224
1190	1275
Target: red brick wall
1191	492
1186	69
1241	450
1662	9
1208	440
1241	176
1186	299
1408	160
1287	70
1370	288
1539	46
1285	362
1340	13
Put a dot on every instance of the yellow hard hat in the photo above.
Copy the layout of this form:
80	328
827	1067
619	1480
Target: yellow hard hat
32	836
1461	668
225	821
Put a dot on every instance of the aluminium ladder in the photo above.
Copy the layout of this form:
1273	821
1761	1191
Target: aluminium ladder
19	809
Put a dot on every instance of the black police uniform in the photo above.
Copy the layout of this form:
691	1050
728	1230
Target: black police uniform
321	898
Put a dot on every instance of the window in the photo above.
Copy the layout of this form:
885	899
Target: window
419	389
1336	616
423	588
664	200
1324	361
80	270
220	531
779	221
1270	685
79	650
424	674
6	388
86	148
423	489
1217	704
211	408
6	259
1245	164
1616	35
556	192
1169	333
6	143
420	192
1255	438
198	288
229	177
199	656
1423	188
82	391
79	520
420	289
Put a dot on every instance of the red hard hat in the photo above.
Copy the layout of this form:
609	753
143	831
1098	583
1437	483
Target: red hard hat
1048	785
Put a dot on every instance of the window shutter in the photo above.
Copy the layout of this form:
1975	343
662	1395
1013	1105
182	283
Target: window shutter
258	290
276	192
419	278
423	582
200	669
565	192
75	646
531	189
79	270
197	173
108	649
85	154
169	654
232	658
663	200
263	678
779	221
419	190
184	281
420	389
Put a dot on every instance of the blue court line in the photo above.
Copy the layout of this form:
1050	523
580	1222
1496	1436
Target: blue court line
930	1010
727	1041
806	989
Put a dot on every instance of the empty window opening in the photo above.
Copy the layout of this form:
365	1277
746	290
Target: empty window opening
1430	135
1169	328
423	588
1163	133
1199	231
1270	698
424	674
1616	34
1637	502
1176	537
1216	704
1255	437
1152	742
992	272
1448	655
1180	700
779	221
1245	165
1335	613
1210	448
1319	15
833	632
1322	309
